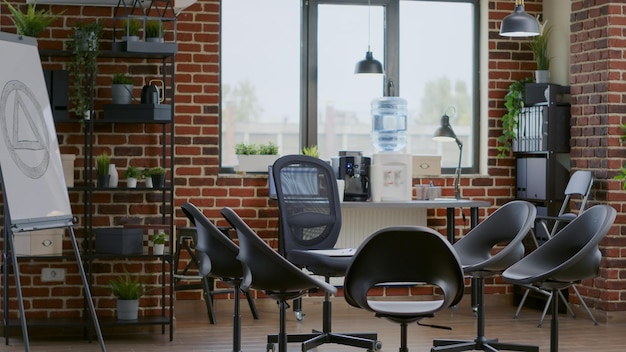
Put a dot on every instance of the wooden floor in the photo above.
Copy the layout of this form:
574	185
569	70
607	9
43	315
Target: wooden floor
194	333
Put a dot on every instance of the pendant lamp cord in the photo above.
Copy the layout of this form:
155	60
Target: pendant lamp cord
369	28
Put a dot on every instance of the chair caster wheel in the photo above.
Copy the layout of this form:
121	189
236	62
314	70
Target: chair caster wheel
270	347
299	316
379	345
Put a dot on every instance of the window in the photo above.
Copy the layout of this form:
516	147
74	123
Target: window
292	82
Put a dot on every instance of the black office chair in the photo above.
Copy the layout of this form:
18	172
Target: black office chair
478	251
217	258
564	260
578	186
404	255
265	269
310	222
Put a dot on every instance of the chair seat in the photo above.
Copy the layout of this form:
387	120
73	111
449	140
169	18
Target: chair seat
405	308
319	262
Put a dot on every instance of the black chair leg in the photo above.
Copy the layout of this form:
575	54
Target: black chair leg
255	313
208	299
236	321
403	338
554	324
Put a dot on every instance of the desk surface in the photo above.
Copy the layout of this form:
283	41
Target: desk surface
436	203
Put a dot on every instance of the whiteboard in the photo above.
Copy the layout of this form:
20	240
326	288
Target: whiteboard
33	184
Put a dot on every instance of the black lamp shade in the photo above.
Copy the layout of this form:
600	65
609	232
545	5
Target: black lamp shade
369	65
444	132
519	24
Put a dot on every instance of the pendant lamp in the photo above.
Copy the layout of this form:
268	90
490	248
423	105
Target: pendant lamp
519	23
369	64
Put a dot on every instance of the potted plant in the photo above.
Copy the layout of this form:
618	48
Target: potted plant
128	290
145	174
158	176
311	151
102	166
539	47
514	103
82	67
158	241
131	175
121	89
255	158
154	31
33	22
131	29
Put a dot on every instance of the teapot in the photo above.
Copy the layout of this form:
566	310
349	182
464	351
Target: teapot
151	93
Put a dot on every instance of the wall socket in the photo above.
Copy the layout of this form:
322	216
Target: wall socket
52	274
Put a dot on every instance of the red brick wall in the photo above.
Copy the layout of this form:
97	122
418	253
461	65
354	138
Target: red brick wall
596	32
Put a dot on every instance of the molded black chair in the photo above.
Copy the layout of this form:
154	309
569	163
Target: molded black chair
217	258
506	228
579	185
564	260
410	255
310	222
265	269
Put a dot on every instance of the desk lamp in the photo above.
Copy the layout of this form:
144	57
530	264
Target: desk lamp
444	133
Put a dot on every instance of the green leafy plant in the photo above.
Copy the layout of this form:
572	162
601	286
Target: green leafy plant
154	29
157	170
102	163
622	173
122	78
132	172
33	22
160	238
514	103
311	151
83	69
127	287
256	149
132	27
539	46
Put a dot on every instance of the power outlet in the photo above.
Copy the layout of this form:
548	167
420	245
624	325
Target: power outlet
52	274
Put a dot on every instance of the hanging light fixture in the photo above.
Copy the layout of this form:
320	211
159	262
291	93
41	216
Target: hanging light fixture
369	64
519	23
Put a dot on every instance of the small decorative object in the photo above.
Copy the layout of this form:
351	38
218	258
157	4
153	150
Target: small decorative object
102	167
131	29
158	177
148	178
132	174
158	241
539	47
121	89
82	67
33	22
154	31
128	290
114	179
255	158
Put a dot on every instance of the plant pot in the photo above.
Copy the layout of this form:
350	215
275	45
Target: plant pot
127	309
103	180
67	161
149	182
255	163
130	38
158	181
542	76
154	39
121	93
114	179
158	248
131	182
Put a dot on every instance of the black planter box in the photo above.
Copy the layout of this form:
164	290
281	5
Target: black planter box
138	112
118	240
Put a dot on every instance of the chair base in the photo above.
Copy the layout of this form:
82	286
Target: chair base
480	344
366	340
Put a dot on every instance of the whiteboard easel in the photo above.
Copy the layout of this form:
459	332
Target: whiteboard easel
33	186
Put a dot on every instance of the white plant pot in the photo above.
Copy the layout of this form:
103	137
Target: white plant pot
255	163
114	179
542	76
131	182
158	249
148	182
127	309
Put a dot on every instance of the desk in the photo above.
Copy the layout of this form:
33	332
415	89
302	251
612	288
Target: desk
376	215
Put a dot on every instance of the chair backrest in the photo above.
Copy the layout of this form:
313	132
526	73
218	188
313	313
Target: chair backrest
571	255
503	230
308	202
579	185
402	254
216	252
265	269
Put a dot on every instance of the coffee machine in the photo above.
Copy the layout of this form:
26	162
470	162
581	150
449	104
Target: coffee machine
354	169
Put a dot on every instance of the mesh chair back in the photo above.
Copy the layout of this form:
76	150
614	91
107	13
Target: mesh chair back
308	202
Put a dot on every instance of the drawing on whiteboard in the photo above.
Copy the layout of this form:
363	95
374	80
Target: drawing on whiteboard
24	129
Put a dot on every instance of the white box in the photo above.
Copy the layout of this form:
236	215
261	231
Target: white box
426	165
390	176
40	242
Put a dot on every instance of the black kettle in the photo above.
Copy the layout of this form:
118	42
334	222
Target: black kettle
151	94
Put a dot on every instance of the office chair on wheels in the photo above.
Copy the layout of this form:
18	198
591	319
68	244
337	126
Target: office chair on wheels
310	222
404	255
579	185
505	228
265	269
564	260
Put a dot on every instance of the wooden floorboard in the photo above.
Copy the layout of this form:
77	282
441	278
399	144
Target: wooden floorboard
194	333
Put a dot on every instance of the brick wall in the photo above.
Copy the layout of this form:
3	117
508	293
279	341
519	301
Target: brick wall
596	115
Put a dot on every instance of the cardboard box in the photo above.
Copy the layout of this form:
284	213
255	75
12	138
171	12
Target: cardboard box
41	242
118	240
426	165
